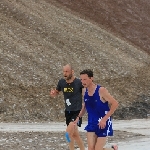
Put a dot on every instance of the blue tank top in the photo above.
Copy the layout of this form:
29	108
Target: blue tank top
96	109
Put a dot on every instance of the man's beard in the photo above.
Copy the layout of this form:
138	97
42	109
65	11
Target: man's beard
69	77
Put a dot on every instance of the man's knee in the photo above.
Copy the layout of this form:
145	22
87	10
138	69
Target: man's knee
70	128
91	148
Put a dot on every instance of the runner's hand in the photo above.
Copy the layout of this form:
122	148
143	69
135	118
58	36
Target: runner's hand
53	93
76	121
102	123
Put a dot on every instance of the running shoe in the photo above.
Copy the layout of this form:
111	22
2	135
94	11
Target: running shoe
115	147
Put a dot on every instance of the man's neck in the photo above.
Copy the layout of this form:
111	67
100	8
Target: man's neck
91	87
70	80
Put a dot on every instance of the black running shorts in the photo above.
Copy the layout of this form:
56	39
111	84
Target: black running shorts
71	116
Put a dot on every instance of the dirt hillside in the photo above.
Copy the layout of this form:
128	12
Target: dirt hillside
126	19
38	37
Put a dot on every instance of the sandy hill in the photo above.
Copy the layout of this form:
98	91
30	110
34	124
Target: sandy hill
38	37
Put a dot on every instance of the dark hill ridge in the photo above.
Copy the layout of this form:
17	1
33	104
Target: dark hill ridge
127	19
38	38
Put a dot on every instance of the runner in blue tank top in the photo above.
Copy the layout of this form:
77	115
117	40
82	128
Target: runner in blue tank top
96	110
99	105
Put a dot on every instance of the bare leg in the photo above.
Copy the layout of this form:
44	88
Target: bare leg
100	143
70	129
78	139
71	144
74	135
91	139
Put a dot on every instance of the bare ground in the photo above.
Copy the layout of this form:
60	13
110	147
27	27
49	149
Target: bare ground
51	140
127	19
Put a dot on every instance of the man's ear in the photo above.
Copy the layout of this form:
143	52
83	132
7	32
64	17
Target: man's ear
72	71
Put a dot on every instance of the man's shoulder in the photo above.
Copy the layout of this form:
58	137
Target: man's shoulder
62	80
102	90
77	79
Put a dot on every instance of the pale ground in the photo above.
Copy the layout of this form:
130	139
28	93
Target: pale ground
138	126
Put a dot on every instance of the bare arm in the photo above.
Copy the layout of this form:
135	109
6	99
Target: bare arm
105	95
82	112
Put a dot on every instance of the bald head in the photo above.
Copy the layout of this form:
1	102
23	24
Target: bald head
68	67
68	72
